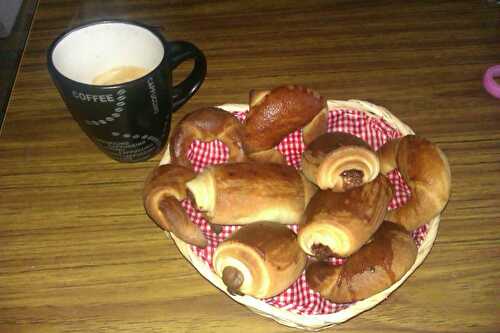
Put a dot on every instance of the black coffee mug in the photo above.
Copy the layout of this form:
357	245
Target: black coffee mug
115	77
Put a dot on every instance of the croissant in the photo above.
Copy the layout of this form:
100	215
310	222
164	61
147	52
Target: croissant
339	223
339	161
164	189
207	124
261	259
276	113
375	267
242	193
425	169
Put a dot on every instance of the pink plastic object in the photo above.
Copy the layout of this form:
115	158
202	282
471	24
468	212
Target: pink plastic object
489	82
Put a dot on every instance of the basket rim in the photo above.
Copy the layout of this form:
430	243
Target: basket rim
317	321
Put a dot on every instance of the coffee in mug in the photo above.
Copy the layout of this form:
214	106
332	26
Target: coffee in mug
115	78
119	75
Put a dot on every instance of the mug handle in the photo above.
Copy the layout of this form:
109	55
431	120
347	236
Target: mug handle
177	53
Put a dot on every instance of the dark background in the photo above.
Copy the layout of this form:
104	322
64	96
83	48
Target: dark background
11	50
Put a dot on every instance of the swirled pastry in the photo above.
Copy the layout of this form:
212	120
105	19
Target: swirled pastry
261	259
339	223
339	161
376	266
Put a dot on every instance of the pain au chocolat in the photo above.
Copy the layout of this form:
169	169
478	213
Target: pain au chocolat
242	193
339	223
339	161
376	266
261	259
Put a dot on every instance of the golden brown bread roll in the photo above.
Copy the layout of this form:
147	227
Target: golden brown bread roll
425	169
339	223
275	114
164	189
339	161
375	267
261	259
207	124
246	192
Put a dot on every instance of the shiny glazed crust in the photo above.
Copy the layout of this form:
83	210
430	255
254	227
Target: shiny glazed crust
242	193
275	114
375	267
266	254
207	124
425	169
344	221
328	160
164	189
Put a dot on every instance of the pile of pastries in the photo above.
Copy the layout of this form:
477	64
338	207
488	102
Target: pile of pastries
339	199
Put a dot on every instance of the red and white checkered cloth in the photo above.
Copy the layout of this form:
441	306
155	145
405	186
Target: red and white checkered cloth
299	298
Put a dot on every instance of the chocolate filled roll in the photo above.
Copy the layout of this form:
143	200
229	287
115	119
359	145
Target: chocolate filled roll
261	259
242	193
339	223
376	266
339	161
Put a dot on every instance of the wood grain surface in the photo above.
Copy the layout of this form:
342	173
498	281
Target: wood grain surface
78	253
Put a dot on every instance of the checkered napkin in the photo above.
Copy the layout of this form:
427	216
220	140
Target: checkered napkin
299	298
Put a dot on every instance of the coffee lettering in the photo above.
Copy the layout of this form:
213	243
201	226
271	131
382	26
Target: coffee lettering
108	98
152	93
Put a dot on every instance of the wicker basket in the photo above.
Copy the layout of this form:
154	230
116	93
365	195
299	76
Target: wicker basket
314	322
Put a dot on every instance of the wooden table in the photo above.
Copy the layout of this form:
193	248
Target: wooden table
78	253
